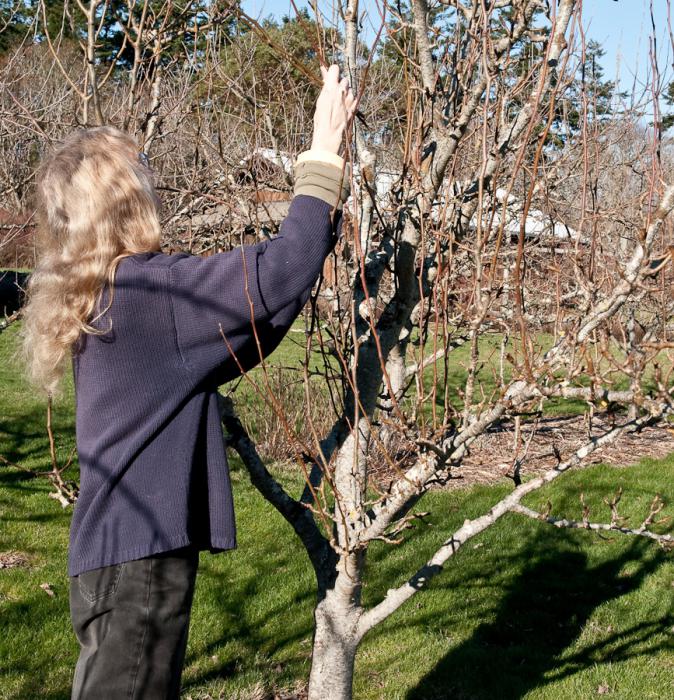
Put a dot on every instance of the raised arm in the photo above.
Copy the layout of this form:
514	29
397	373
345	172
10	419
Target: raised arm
268	282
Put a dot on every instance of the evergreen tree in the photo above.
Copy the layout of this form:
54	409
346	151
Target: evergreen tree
178	42
668	119
14	23
589	92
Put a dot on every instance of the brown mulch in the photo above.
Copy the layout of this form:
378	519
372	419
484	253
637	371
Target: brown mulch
491	456
12	559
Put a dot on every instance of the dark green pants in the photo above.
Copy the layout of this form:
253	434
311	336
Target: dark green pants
132	621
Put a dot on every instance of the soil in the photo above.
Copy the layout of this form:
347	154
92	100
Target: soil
12	559
492	455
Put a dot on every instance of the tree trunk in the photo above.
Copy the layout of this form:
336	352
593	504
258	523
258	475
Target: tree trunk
334	652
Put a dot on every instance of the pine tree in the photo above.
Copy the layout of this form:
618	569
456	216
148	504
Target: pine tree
14	23
668	119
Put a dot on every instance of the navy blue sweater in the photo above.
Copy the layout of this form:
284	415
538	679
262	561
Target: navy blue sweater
153	470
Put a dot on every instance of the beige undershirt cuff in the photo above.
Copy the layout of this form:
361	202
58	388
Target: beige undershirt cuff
323	174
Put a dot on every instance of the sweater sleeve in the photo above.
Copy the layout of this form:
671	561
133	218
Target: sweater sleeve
266	284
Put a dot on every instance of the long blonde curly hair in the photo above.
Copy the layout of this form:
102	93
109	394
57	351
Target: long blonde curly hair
96	204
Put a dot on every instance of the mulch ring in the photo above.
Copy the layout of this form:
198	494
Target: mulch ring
12	559
492	455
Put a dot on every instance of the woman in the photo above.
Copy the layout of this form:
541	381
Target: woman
151	337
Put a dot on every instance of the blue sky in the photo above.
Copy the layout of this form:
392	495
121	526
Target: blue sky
622	28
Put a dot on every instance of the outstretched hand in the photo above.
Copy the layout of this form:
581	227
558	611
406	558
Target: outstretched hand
335	107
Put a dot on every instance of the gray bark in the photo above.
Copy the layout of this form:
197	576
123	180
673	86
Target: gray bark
334	650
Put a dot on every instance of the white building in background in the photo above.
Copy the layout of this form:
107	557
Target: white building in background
538	225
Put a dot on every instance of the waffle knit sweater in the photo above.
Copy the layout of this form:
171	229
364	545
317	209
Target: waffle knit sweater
153	468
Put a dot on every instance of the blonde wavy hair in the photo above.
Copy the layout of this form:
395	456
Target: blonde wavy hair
96	204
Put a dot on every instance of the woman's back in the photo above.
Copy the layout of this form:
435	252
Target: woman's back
153	468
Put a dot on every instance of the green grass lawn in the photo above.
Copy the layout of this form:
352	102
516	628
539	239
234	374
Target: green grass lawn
523	611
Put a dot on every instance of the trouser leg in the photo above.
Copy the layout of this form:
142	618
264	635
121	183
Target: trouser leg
132	622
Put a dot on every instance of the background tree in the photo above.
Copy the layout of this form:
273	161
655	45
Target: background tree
668	119
13	23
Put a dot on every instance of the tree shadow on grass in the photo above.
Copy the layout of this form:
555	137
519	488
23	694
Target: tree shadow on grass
540	615
32	665
244	624
24	440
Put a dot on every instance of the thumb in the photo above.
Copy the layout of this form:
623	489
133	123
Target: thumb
324	72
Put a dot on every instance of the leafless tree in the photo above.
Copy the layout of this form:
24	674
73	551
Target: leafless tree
486	230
